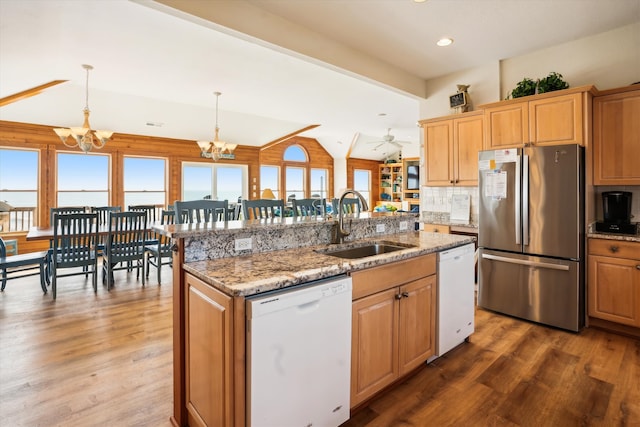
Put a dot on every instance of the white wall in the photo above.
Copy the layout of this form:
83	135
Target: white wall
606	60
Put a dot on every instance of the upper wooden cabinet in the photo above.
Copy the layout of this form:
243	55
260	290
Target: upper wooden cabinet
616	137
553	118
451	149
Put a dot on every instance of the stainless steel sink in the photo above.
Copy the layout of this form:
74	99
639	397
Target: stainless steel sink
363	250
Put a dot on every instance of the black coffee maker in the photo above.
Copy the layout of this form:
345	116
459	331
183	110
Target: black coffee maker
616	208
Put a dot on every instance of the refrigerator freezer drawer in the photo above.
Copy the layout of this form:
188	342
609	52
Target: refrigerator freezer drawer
543	290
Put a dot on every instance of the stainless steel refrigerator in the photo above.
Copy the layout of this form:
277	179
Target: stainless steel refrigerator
531	234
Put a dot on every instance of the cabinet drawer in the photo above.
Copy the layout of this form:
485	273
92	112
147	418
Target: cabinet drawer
436	228
615	248
376	279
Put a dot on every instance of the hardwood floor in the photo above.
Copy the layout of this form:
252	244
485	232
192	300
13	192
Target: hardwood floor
86	359
105	360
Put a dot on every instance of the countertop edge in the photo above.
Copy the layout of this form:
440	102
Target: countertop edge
285	268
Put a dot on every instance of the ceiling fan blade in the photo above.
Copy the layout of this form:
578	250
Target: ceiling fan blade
378	146
28	93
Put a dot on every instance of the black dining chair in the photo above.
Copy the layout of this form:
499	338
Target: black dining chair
65	210
160	254
125	243
103	218
262	208
309	207
74	246
197	211
12	264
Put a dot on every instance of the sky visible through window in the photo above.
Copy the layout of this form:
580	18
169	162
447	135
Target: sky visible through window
19	171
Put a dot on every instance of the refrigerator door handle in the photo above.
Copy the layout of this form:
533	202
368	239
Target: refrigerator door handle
525	200
518	201
526	262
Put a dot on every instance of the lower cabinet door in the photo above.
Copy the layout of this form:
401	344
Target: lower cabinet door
208	355
614	289
374	355
417	323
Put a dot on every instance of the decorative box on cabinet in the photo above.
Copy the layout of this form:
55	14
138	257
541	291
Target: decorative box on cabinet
393	323
614	281
553	118
616	137
451	149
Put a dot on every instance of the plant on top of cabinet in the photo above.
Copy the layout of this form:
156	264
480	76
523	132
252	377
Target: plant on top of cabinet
550	83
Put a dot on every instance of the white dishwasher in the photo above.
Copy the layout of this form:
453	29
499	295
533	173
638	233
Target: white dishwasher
299	355
456	296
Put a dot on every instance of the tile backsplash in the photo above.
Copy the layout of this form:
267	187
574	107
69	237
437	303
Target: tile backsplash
435	203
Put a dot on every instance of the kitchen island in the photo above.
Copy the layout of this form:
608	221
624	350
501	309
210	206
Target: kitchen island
213	280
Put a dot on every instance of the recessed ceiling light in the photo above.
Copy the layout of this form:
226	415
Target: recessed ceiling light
446	41
382	114
419	1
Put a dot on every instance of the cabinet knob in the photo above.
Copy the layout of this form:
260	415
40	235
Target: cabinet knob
405	294
398	296
638	267
614	249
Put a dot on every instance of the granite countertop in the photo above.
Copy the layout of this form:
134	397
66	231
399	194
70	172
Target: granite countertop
612	236
593	234
251	274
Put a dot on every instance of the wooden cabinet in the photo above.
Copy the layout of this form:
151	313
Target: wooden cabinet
391	182
614	281
435	228
208	355
616	137
393	323
451	149
552	118
507	125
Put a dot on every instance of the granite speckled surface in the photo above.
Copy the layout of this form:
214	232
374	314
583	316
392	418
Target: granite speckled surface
255	273
593	234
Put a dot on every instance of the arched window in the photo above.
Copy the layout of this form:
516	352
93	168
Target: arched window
295	153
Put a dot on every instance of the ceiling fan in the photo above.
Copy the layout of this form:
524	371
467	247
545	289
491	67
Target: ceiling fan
29	92
388	139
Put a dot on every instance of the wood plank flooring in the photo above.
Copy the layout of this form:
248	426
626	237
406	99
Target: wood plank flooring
105	360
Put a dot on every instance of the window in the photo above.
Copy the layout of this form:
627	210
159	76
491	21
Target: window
83	180
145	181
269	179
18	188
295	153
319	183
214	181
295	182
362	183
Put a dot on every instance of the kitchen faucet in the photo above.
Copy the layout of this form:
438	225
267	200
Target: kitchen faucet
363	206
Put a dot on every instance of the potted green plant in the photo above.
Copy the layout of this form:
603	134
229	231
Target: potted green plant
528	86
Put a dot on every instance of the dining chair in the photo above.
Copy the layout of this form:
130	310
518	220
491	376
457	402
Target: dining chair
156	253
197	211
125	243
262	208
103	218
234	211
74	245
149	210
349	206
19	263
65	210
309	207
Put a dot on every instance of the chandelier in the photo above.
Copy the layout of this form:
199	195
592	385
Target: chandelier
83	137
216	149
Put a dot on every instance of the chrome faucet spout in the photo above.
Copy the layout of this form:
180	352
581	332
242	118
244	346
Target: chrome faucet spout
341	233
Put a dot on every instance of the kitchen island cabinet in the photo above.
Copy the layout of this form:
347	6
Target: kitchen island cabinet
614	281
210	289
393	324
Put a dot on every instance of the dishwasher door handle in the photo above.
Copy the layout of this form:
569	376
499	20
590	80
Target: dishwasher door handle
526	262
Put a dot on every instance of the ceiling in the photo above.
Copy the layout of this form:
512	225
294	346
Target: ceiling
354	67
